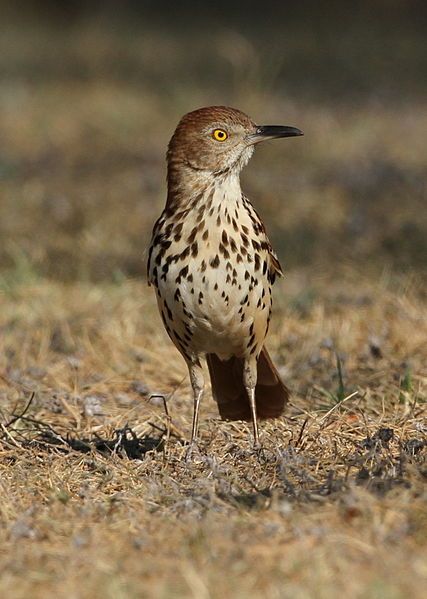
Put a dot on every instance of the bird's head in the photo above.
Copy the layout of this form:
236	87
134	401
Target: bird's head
219	139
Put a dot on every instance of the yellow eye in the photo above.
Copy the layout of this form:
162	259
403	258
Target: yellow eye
220	134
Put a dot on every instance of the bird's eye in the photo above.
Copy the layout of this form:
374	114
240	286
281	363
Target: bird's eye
220	134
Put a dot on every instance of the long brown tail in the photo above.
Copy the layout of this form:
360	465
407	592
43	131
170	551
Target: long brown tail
271	394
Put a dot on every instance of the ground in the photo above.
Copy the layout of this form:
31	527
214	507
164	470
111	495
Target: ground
97	500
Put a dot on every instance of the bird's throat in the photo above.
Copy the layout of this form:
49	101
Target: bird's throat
189	188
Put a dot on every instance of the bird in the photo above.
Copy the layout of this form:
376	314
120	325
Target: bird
212	265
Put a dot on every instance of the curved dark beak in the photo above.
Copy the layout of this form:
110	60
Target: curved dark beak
264	132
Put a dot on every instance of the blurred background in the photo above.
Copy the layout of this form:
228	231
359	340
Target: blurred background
90	93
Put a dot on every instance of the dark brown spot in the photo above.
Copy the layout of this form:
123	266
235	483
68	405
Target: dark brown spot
184	253
170	315
178	229
187	313
214	262
192	235
223	251
245	240
182	273
264	267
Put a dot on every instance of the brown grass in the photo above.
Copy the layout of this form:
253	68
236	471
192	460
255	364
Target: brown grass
99	502
96	500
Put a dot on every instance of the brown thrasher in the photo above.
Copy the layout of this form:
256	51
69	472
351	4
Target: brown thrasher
213	266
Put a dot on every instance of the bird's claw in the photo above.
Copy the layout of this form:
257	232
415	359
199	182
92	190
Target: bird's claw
192	449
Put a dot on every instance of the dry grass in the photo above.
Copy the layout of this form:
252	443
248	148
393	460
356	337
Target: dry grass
98	501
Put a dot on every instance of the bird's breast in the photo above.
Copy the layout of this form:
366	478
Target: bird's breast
211	276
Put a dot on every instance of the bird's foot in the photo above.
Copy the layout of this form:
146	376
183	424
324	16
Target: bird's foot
193	450
259	451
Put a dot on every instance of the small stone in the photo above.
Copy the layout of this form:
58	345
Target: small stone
140	388
35	372
123	399
21	529
375	348
74	362
327	343
93	405
385	434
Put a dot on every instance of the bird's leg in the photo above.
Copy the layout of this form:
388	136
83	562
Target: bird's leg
249	381
198	385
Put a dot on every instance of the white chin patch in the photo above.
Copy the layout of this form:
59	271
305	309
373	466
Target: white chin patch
245	156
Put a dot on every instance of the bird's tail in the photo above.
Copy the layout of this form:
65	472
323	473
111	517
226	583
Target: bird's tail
228	390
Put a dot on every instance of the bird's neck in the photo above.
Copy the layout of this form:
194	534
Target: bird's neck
188	186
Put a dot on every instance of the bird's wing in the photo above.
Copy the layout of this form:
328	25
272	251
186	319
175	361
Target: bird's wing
275	269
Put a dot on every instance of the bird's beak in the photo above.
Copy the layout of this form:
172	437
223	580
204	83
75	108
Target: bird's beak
264	132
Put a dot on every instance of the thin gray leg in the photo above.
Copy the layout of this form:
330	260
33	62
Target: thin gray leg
249	381
198	385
